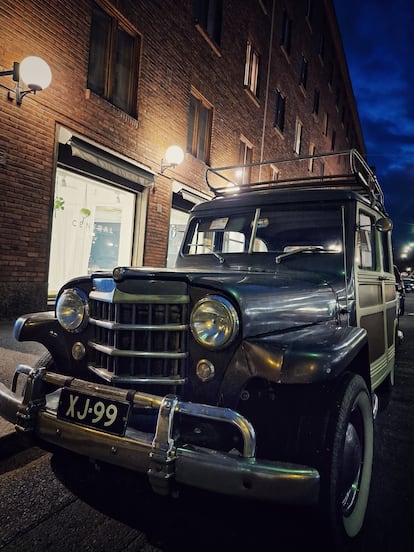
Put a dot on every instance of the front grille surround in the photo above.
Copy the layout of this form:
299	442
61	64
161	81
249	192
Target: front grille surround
139	338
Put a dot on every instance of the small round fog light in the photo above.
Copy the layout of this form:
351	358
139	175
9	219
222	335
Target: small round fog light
205	370
78	350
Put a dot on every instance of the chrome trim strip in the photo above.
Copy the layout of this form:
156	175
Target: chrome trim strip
122	297
113	351
107	324
113	378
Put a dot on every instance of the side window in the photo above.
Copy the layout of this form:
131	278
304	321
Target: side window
233	242
365	245
113	61
386	249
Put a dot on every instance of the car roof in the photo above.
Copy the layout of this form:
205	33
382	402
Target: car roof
277	197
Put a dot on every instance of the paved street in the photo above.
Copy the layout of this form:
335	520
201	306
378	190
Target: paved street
47	502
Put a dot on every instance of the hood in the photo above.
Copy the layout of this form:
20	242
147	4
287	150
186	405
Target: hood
267	301
271	303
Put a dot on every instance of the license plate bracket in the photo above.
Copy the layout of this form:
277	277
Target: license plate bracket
110	416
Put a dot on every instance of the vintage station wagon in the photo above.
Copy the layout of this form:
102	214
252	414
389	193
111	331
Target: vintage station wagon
249	369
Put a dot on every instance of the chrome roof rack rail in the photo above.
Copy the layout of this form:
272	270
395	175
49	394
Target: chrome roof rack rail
343	169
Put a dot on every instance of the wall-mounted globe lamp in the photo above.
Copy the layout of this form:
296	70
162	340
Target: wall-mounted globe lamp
32	72
173	157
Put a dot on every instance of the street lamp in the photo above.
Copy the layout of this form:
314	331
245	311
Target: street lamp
173	157
33	72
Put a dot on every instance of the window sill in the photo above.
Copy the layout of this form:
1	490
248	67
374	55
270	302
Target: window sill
285	53
252	96
279	132
208	39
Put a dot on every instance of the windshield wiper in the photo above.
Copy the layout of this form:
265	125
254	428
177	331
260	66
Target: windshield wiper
304	248
221	259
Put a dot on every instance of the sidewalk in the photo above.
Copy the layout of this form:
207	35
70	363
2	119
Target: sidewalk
13	352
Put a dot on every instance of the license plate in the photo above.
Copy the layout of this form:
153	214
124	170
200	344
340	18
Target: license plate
94	412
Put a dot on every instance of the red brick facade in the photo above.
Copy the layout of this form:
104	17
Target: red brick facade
174	58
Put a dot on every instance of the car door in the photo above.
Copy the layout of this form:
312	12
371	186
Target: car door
375	293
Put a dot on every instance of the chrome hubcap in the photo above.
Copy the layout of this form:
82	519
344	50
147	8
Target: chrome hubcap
351	468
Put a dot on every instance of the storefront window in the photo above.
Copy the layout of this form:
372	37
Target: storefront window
92	227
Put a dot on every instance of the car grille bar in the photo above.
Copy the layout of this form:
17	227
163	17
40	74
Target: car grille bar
139	337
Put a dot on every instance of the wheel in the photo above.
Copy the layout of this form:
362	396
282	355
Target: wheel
45	361
346	472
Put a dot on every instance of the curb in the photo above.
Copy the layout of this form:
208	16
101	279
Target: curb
6	428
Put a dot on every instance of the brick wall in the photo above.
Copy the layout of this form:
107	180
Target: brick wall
174	57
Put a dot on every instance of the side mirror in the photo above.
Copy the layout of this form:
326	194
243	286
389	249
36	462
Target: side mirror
384	224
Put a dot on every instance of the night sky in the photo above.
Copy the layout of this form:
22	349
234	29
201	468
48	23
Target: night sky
378	38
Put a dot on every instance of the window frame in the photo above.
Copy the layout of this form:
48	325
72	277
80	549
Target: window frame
280	111
116	24
252	69
208	16
245	158
316	101
298	136
286	38
193	133
303	72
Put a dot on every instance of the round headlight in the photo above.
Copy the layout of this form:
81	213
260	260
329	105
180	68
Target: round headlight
72	310
214	322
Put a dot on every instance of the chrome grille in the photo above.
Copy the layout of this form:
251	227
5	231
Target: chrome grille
139	337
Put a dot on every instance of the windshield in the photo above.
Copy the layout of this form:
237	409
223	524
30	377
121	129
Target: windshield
266	231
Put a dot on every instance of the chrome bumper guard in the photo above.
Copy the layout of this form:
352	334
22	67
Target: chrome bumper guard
156	454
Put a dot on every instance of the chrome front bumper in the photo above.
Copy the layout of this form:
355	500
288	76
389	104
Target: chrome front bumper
156	453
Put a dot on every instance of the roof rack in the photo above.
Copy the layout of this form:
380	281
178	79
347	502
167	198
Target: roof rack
344	169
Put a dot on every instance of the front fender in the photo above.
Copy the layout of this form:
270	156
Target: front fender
44	328
308	355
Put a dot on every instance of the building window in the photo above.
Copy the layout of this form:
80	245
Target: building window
325	124
338	96
343	115
245	158
251	69
316	96
321	47
333	140
92	227
274	173
113	61
312	151
286	33
199	127
303	73
298	137
309	11
280	111
207	17
331	75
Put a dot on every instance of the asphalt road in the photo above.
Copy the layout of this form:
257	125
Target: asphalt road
52	503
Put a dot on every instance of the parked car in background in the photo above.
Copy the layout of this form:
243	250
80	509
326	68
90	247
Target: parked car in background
408	285
400	288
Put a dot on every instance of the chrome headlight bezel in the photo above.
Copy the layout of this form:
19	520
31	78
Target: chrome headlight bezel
214	322
72	310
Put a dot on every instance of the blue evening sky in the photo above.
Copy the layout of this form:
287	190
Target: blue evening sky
378	38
